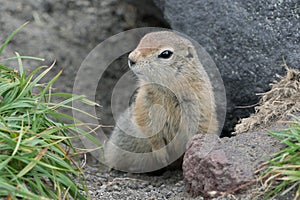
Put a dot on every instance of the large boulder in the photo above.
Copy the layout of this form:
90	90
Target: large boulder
247	39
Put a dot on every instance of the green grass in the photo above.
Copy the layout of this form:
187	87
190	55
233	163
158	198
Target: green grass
37	158
283	172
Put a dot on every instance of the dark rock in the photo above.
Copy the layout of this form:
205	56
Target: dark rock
148	9
213	165
247	39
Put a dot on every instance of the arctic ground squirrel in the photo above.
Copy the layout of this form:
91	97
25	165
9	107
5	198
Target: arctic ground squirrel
174	101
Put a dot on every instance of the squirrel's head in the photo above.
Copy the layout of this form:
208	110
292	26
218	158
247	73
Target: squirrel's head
164	55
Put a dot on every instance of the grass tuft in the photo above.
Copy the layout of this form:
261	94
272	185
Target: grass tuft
37	158
283	172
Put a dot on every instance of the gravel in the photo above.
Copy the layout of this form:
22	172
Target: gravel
113	184
110	185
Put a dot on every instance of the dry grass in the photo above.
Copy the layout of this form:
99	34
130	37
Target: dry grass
275	105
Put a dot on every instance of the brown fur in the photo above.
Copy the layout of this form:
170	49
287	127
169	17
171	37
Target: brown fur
175	98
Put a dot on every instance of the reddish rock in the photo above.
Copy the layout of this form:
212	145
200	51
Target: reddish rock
213	165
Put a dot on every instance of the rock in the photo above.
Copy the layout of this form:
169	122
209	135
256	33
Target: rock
247	39
212	165
148	9
64	32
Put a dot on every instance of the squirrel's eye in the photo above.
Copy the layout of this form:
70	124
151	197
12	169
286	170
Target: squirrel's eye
165	54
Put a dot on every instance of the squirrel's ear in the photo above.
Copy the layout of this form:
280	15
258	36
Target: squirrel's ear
191	52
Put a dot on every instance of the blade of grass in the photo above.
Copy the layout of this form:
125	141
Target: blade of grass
34	82
21	69
19	140
11	36
22	57
32	163
42	94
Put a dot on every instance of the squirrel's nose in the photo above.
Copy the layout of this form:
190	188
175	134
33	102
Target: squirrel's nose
131	62
132	57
